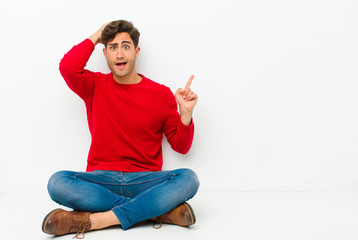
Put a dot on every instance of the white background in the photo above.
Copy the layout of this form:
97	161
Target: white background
277	86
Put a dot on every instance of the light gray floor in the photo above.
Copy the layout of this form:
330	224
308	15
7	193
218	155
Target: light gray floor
220	215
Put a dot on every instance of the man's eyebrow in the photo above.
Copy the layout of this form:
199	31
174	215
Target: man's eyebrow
116	44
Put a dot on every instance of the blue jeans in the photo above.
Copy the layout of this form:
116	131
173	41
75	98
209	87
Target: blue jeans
133	197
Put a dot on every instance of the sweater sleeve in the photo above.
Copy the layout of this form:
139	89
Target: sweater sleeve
179	136
72	66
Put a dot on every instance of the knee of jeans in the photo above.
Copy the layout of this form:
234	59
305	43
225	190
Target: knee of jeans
55	186
191	180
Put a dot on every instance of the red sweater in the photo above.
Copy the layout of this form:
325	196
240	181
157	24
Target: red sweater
126	121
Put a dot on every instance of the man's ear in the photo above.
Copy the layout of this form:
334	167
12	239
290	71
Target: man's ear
105	52
137	50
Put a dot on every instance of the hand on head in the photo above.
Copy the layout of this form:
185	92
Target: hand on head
97	36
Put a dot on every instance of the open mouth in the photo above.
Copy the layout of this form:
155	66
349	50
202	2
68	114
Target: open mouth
121	65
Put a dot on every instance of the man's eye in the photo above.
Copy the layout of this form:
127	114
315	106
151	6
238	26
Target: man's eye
126	47
112	47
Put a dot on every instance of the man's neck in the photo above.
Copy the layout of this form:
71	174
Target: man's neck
132	78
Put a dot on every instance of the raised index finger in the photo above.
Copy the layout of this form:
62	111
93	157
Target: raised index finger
189	82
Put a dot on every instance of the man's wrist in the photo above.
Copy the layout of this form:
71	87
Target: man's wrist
95	38
186	118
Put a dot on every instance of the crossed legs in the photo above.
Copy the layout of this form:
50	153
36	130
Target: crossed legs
122	198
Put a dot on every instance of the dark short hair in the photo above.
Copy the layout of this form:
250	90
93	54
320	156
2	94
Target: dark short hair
119	26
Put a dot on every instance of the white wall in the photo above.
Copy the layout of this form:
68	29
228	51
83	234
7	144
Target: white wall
276	80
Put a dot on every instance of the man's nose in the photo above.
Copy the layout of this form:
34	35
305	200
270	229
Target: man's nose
119	53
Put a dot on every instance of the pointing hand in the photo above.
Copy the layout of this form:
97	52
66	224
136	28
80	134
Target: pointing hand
186	98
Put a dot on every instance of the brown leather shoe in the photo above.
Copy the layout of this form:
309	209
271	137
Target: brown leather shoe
60	222
183	215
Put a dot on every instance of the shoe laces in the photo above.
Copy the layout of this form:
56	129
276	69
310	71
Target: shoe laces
80	225
160	219
155	225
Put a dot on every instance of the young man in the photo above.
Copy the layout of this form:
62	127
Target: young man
127	115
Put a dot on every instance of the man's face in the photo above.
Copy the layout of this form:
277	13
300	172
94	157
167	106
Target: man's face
121	55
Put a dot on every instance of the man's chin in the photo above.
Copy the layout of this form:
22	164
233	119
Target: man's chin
118	73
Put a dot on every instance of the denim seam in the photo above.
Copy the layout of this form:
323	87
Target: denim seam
121	184
122	187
